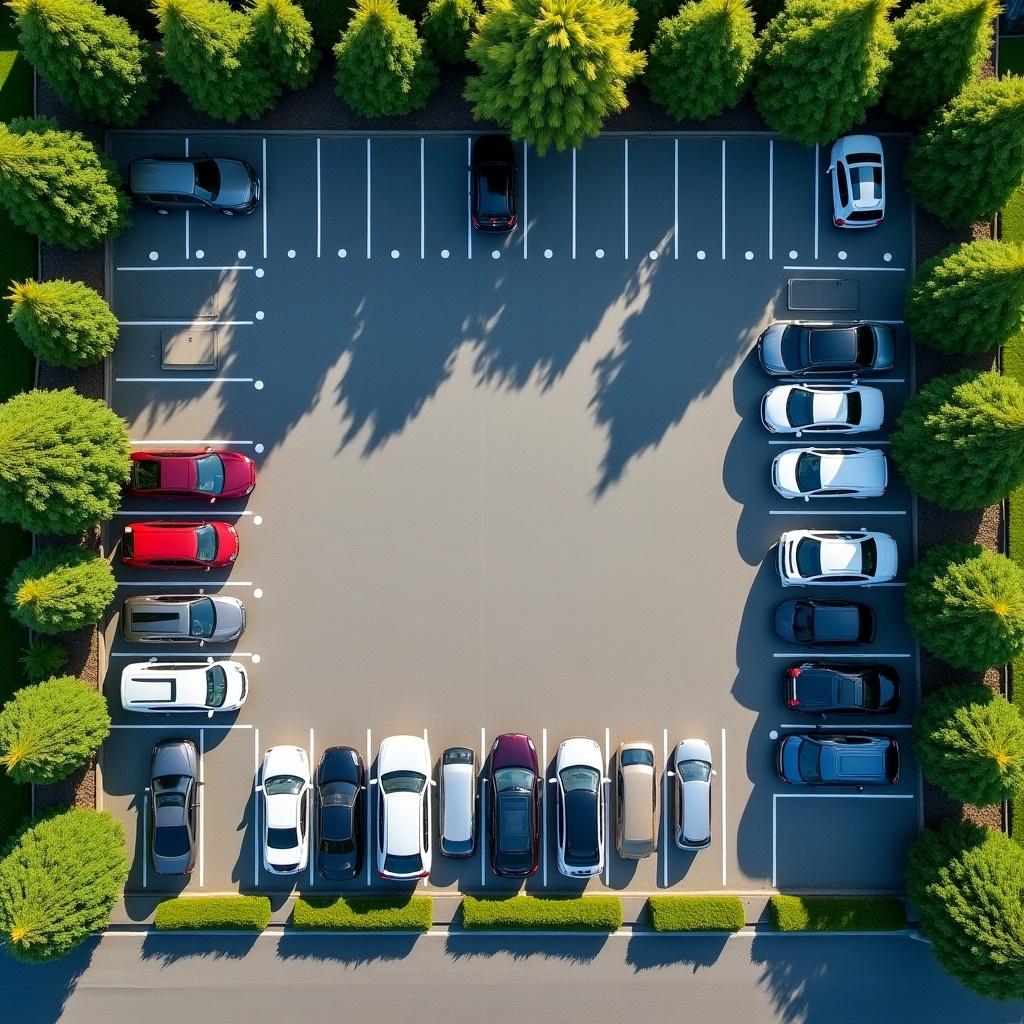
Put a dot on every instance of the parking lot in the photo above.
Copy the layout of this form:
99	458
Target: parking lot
509	483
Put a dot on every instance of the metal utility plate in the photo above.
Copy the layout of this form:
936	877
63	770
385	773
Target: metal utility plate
189	348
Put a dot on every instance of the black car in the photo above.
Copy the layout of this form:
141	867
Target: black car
787	350
824	623
182	183
816	688
340	784
838	760
493	184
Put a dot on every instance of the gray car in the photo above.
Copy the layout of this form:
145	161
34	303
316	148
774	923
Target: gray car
183	183
173	806
182	618
786	350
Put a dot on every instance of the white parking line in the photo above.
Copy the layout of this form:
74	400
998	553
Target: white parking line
799	440
483	804
771	199
232	267
664	809
831	655
574	202
469	198
161	512
839	381
526	196
312	816
180	583
184	380
883	727
607	810
369	799
723	199
149	443
544	807
368	198
318	199
188	247
833	512
266	196
817	165
423	205
148	655
185	323
880	270
255	806
675	191
163	727
625	205
724	794
202	809
145	838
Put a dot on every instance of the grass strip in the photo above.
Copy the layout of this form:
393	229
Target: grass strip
836	914
412	913
215	913
556	913
696	913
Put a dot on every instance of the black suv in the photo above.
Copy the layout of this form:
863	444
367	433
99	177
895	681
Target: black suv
189	183
493	184
817	688
824	623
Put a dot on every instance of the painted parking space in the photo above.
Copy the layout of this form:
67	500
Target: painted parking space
701	227
652	196
550	214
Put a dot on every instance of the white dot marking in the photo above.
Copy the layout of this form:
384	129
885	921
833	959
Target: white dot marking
257	520
291	254
748	255
258	385
599	253
259	271
259	449
258	593
793	254
701	254
200	254
887	257
445	254
241	254
394	254
259	314
841	254
548	254
154	255
342	253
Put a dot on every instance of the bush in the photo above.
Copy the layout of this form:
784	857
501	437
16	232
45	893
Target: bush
280	38
696	913
42	659
959	442
700	62
56	185
558	913
65	323
50	730
836	914
59	880
213	913
447	26
411	913
63	461
966	605
552	70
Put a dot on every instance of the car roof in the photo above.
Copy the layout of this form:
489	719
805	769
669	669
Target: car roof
165	540
163	175
861	469
459	796
581	829
638	803
696	810
403	831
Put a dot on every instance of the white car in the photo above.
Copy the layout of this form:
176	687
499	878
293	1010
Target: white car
857	168
691	765
579	775
822	409
285	790
836	558
403	807
830	473
184	687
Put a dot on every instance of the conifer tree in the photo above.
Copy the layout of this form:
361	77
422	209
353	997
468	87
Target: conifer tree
280	36
447	27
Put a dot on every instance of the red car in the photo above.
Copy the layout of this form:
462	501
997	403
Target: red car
194	474
514	803
189	544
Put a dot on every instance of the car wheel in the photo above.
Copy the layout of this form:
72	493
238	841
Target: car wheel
163	213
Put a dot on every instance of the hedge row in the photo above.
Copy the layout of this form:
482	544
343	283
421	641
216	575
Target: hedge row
415	913
696	913
836	914
571	913
228	913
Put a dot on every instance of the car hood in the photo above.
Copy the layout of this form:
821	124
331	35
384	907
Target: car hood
404	753
513	750
784	614
784	470
174	759
579	751
239	471
770	344
286	761
235	183
230	617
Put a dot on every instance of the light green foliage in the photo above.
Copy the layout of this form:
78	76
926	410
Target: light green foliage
701	59
338	913
564	913
552	70
447	26
822	64
280	38
696	913
42	658
648	14
218	913
63	461
836	914
66	323
56	185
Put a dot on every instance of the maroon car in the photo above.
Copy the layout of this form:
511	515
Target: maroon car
514	806
206	474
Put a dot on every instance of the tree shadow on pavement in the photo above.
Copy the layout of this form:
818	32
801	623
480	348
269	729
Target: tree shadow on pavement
37	993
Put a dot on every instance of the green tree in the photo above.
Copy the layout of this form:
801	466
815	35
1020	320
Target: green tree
940	46
56	185
969	159
93	60
383	67
327	18
63	461
50	730
701	59
56	590
966	605
42	658
967	884
66	323
959	441
648	15
447	26
822	63
59	880
969	741
552	70
280	37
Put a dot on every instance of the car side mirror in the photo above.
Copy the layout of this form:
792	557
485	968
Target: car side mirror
714	771
373	782
209	714
259	788
552	781
670	774
799	433
146	790
807	497
433	782
606	780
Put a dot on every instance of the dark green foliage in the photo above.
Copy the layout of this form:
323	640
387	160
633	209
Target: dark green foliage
696	913
328	19
383	67
42	658
959	441
338	913
940	46
967	884
822	64
552	70
280	39
57	185
560	913
836	914
218	913
967	162
63	461
701	59
447	26
66	323
648	14
966	605
59	880
969	741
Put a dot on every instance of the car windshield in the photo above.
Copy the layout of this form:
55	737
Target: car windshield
171	842
201	618
146	475
868	557
396	865
209	475
803	620
809	762
800	408
282	838
636	755
695	771
871	689
580	779
808	472
403	782
853	407
865	344
207	179
216	686
513	778
808	557
337	846
283	785
206	543
165	782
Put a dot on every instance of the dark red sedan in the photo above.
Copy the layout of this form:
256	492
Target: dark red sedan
514	806
206	474
181	544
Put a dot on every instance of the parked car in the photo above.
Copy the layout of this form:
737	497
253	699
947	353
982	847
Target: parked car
823	409
340	784
182	618
285	789
817	688
194	183
173	796
204	473
816	623
403	808
636	800
190	687
788	349
514	806
830	473
175	544
458	802
857	167
691	764
579	774
836	558
493	184
830	759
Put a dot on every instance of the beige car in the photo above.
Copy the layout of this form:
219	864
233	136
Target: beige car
636	800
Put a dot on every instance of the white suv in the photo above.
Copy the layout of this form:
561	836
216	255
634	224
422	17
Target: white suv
836	558
285	786
190	687
579	775
403	807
